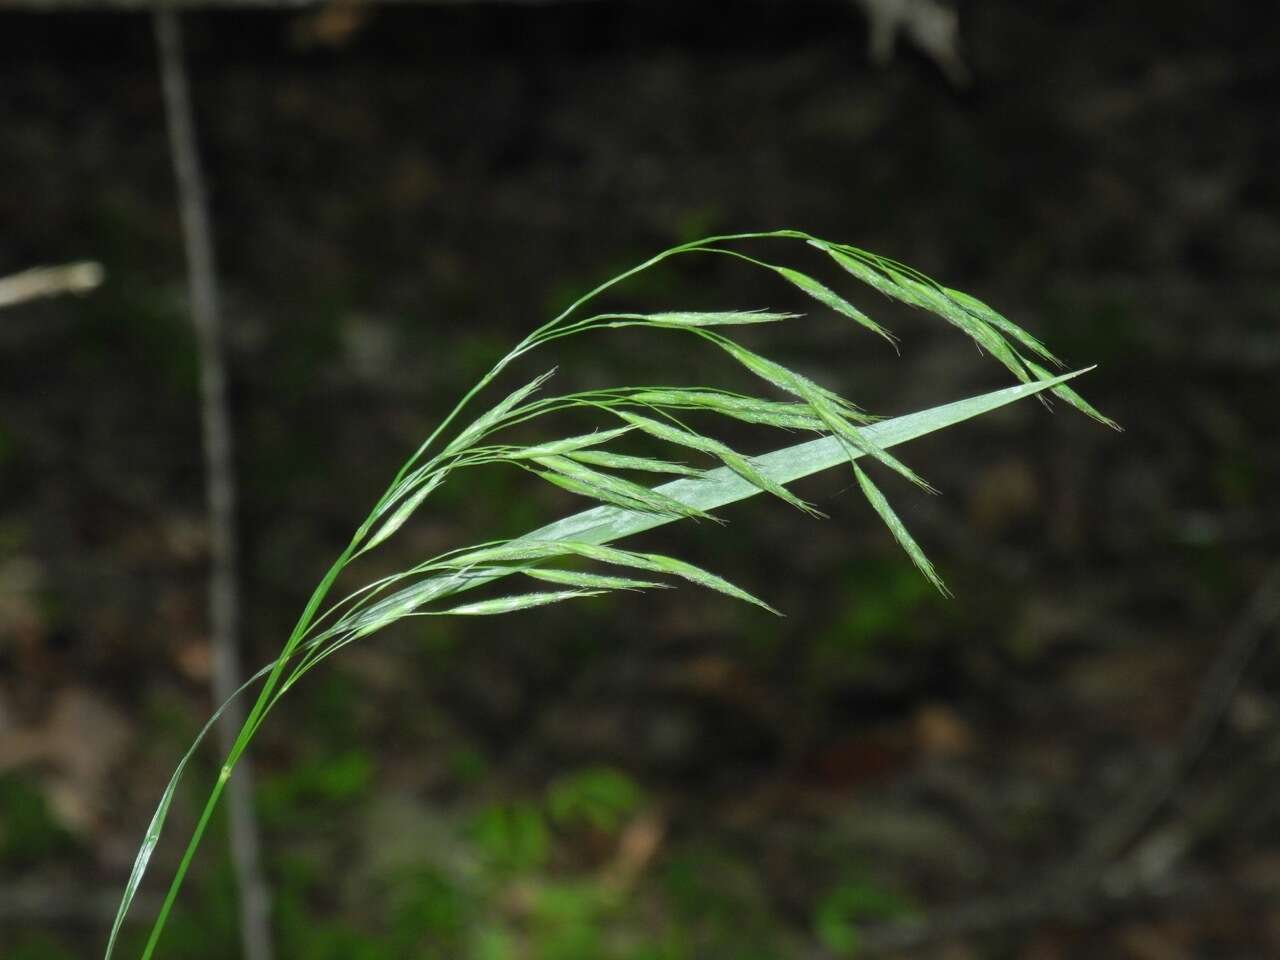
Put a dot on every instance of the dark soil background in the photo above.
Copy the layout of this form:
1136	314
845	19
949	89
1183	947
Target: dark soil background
400	193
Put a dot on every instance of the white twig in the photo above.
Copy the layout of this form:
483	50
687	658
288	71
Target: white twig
40	282
219	479
932	27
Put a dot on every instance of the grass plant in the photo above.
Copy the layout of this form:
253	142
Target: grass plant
592	465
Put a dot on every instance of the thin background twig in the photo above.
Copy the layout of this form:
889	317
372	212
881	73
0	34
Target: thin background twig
219	478
38	282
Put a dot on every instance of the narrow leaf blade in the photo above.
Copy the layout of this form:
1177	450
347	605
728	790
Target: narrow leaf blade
622	461
404	512
748	409
493	417
898	529
604	486
1063	392
703	578
590	581
725	318
512	604
825	295
567	445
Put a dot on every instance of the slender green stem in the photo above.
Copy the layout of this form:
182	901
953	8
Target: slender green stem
187	856
242	741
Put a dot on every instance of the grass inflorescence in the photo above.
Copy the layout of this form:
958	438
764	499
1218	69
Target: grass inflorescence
709	474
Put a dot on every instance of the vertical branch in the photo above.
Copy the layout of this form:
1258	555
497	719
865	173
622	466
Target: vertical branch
219	477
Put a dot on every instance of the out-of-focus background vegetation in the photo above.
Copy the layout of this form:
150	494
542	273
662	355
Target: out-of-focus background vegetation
397	194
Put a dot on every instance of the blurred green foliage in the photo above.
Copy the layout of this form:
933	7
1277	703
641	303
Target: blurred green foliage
467	765
511	837
208	927
513	889
1237	479
885	606
29	833
719	905
430	913
312	790
138	330
38	946
331	709
600	798
838	914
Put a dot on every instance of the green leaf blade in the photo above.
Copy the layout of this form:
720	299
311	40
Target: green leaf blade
512	604
568	445
622	461
578	477
899	530
403	512
828	297
492	418
772	413
591	581
1067	394
703	578
725	318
